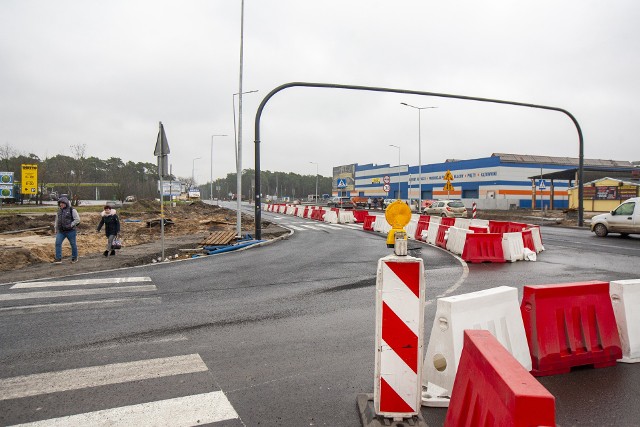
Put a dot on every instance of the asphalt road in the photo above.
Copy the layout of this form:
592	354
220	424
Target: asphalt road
276	335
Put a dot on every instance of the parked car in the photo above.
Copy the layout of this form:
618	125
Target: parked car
130	199
447	208
625	219
340	202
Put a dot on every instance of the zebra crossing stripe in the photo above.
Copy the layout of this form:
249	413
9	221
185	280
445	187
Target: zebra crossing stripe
76	292
95	376
184	411
62	306
80	282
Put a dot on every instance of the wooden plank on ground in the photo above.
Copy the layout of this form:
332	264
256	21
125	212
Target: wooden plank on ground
219	238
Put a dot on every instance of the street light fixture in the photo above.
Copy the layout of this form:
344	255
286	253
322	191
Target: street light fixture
193	171
419	153
211	177
316	181
238	142
391	145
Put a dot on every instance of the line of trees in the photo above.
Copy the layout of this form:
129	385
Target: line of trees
71	174
140	179
280	184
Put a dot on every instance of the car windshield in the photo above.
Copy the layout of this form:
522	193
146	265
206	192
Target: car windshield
456	204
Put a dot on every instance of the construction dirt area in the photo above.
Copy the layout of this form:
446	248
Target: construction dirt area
27	240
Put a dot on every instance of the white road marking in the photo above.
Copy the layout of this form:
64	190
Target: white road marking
76	292
181	411
331	227
95	376
80	282
63	306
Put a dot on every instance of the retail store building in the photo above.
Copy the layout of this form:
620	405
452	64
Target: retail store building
500	181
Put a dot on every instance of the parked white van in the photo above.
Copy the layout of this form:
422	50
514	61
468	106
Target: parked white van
625	219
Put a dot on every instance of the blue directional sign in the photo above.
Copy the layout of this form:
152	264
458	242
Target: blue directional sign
342	183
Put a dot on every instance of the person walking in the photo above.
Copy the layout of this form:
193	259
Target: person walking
111	224
64	226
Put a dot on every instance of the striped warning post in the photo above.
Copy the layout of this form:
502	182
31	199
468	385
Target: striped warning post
399	336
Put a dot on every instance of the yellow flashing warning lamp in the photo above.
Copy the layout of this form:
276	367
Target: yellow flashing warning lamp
397	214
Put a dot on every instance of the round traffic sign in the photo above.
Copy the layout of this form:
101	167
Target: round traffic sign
386	180
386	187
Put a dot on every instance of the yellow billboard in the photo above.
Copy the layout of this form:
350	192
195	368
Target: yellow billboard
29	181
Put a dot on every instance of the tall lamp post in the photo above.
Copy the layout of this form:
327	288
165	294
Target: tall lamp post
315	163
238	142
419	153
211	176
391	145
193	171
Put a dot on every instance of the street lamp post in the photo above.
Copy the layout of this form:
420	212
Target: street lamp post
391	145
238	143
316	200
419	153
211	176
193	171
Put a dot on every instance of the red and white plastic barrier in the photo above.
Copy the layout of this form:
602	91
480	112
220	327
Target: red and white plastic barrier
400	299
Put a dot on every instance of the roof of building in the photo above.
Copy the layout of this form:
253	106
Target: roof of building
607	178
527	158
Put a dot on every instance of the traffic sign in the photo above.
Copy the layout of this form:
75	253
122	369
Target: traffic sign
386	179
448	176
386	187
342	183
542	185
448	186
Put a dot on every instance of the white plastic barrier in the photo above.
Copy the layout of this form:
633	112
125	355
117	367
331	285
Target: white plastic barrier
537	239
411	228
625	298
331	217
479	223
346	217
513	246
381	225
496	310
301	210
456	240
432	233
291	210
463	223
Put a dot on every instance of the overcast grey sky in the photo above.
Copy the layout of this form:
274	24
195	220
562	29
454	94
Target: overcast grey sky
103	73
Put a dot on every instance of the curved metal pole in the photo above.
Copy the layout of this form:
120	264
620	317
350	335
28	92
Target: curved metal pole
258	216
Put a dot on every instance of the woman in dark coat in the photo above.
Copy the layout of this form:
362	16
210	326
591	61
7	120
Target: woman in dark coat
111	224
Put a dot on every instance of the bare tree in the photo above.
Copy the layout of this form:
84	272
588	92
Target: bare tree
7	152
78	170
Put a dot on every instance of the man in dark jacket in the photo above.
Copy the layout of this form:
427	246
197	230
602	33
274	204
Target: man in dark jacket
111	224
65	224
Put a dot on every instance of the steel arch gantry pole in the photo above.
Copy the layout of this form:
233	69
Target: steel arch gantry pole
258	213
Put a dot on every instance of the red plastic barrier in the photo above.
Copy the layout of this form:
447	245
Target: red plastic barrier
527	239
368	222
422	226
498	227
359	215
449	222
442	231
570	324
483	247
479	229
516	227
493	389
295	211
424	218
